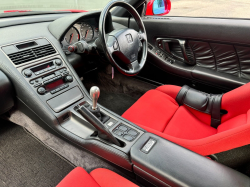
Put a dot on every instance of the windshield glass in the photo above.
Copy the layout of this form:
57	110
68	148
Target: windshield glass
51	5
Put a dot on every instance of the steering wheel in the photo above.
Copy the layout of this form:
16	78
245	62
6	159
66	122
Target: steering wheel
124	43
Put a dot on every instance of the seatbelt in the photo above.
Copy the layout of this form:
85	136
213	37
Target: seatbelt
203	102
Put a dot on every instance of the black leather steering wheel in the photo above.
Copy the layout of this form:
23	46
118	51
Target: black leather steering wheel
124	43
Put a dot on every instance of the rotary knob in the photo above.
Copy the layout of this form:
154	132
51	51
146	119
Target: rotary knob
41	90
58	62
69	78
27	73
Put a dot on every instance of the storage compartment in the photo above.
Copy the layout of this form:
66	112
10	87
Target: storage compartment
164	163
65	99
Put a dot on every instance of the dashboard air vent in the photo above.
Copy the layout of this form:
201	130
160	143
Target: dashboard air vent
31	54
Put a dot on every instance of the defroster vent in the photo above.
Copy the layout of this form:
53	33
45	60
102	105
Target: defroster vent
31	54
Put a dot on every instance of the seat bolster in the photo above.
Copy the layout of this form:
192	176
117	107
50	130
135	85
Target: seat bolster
78	178
236	102
170	90
107	178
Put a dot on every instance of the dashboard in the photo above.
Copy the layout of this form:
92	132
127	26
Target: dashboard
86	29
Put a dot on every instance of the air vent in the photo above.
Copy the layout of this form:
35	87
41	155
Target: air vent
31	54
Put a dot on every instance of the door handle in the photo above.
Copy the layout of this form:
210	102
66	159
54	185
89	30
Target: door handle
181	42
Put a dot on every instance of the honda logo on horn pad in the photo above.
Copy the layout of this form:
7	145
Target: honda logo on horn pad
129	38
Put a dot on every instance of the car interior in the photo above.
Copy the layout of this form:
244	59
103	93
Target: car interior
124	97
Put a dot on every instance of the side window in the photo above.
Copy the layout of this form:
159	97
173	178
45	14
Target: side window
199	8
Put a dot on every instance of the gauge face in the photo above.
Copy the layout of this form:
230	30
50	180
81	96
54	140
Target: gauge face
87	32
72	36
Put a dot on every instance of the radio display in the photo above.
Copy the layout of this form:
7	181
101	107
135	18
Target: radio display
54	85
26	45
44	66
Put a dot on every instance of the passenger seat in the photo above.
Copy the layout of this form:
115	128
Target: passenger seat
97	178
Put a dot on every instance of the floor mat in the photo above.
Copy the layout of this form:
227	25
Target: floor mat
116	102
78	157
24	161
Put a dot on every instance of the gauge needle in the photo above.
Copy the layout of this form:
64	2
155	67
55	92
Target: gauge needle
71	37
87	31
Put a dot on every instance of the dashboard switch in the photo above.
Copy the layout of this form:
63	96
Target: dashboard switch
69	78
27	73
58	62
41	90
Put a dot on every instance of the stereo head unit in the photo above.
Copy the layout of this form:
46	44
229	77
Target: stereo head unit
54	82
48	77
40	69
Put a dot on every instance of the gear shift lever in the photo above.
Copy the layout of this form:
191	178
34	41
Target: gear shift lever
94	94
90	112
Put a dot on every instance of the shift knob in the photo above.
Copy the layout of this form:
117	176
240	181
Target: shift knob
94	94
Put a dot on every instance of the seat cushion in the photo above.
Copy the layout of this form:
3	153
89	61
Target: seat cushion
78	178
186	126
97	178
154	109
107	178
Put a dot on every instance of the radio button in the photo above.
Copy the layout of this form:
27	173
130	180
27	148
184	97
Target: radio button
57	90
66	73
37	84
41	90
42	71
53	91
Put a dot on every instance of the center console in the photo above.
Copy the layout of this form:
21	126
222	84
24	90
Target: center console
164	163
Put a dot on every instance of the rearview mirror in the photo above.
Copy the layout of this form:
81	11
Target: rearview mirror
158	7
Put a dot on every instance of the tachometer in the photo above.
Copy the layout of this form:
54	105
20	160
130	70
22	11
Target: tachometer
72	36
87	32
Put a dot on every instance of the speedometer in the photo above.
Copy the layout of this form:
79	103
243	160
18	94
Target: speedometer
87	32
72	36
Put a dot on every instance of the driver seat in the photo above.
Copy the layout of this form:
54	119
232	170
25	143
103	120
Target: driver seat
158	112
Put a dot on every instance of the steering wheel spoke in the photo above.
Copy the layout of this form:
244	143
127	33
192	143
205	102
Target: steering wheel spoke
112	44
142	36
134	66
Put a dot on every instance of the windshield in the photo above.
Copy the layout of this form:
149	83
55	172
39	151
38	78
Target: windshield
50	5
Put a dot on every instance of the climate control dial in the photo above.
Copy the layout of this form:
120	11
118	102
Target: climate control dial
69	78
41	90
27	73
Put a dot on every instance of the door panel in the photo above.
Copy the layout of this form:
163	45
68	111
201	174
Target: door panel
219	49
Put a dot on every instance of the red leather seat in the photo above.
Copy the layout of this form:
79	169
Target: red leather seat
158	112
97	178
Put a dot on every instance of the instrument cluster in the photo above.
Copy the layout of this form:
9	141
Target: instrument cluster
79	31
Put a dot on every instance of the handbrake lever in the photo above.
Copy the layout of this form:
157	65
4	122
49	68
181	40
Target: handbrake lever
103	131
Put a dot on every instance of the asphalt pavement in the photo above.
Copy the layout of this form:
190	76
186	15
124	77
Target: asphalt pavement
211	8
